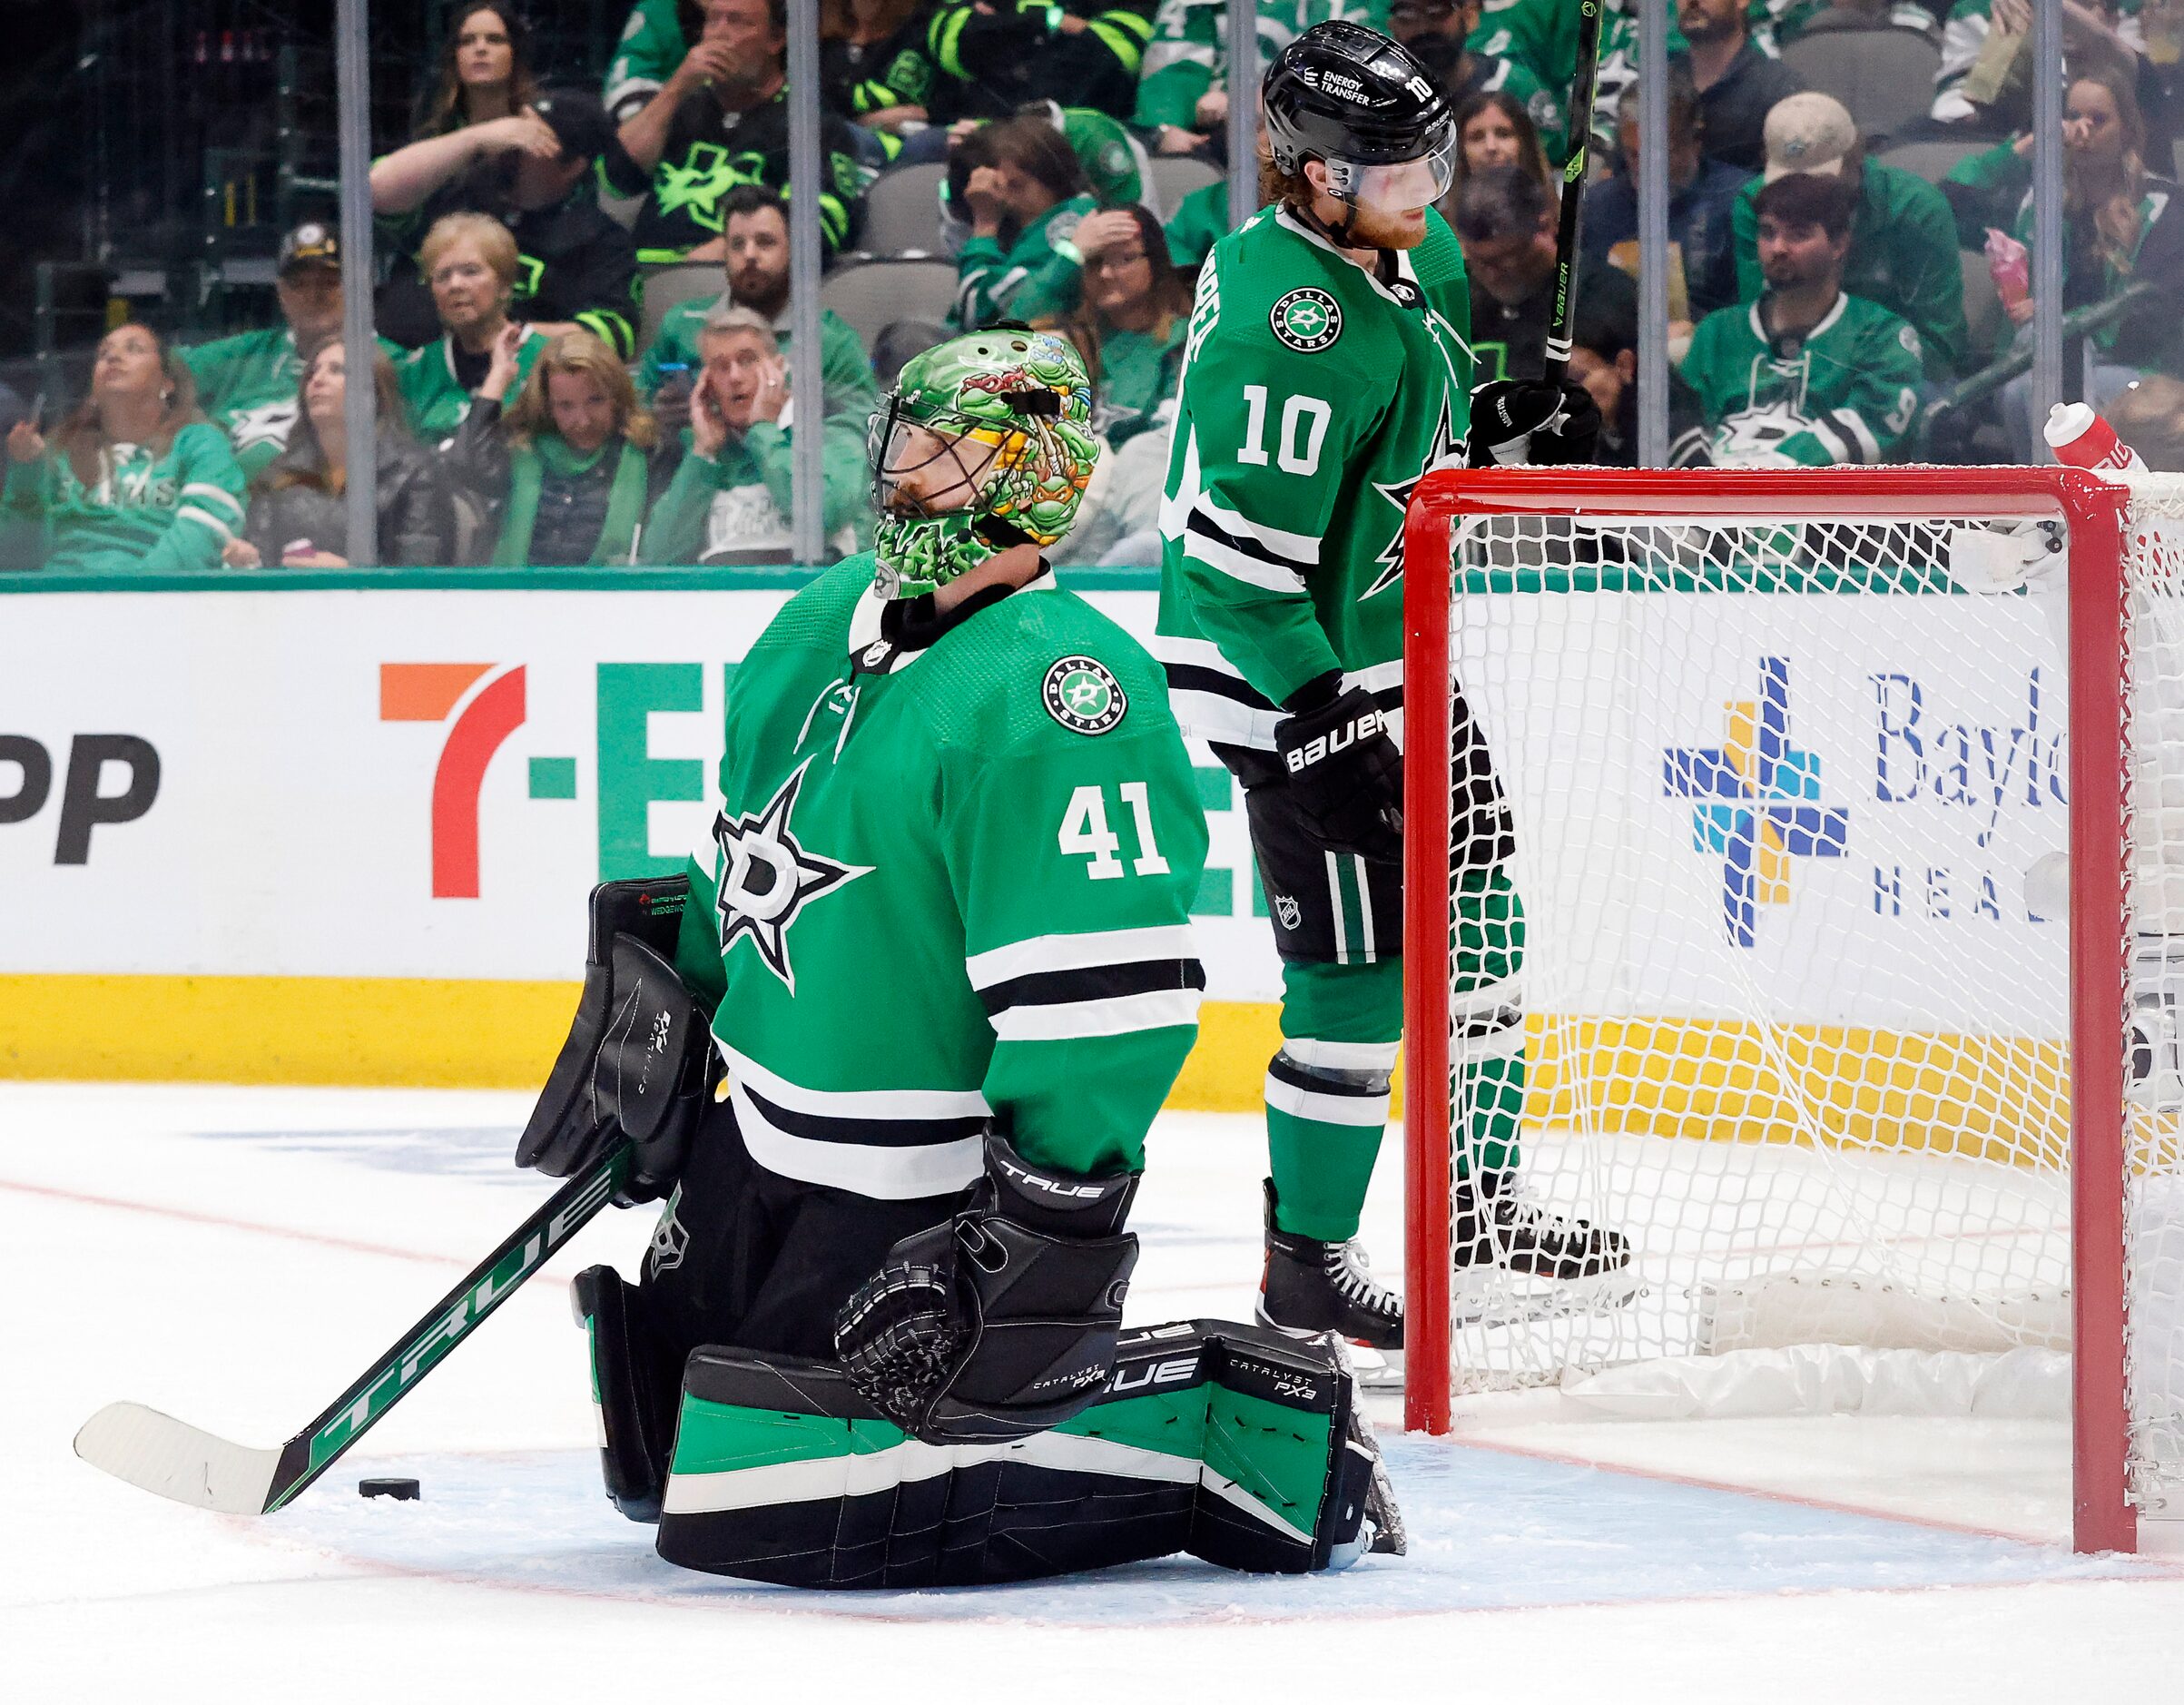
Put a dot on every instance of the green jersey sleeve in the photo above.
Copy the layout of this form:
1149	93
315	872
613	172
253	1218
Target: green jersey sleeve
1074	860
1251	419
209	502
652	46
1040	275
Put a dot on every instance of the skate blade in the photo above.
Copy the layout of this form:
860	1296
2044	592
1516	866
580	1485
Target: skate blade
1500	1298
1374	1370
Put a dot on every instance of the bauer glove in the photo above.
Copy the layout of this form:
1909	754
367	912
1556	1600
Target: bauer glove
1346	775
1528	422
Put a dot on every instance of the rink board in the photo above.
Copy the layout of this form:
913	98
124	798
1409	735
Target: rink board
377	811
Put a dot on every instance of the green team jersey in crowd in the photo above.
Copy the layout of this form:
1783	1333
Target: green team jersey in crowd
1541	36
1199	222
1903	256
1136	380
1040	274
1188	55
1313	396
435	400
247	386
652	46
844	366
1845	392
951	883
145	512
733	508
1113	160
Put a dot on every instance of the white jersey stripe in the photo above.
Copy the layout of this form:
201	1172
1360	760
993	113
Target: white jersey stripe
1300	548
1326	1109
1224	559
1078	951
1309	1051
1117	1015
869	1104
887	1173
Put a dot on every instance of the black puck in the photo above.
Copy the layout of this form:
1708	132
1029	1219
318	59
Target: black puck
407	1490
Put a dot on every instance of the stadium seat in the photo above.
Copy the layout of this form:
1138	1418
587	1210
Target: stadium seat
1175	176
1885	77
669	286
872	295
622	209
902	210
1933	158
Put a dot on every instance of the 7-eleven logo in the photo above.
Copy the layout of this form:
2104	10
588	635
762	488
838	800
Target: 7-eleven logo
483	720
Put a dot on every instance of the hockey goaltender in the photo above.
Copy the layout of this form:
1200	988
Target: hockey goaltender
920	1011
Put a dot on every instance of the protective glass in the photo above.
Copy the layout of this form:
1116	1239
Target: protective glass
1406	185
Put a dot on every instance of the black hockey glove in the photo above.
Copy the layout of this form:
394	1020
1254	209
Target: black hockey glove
1346	774
1528	422
1001	1322
639	1061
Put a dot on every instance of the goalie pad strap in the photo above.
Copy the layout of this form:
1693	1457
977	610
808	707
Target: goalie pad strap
1232	1443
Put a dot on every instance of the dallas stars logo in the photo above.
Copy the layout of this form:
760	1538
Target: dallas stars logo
1306	320
1446	451
767	878
703	181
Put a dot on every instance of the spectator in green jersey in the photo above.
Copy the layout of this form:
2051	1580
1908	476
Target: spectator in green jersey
484	71
470	262
1130	325
299	511
1199	222
1436	31
135	480
1025	192
729	502
756	273
570	469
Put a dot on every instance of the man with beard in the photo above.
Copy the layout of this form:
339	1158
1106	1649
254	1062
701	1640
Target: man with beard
755	239
1329	368
1435	32
1737	83
1806	376
1507	225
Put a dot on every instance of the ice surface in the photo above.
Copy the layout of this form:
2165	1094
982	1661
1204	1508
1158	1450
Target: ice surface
235	1257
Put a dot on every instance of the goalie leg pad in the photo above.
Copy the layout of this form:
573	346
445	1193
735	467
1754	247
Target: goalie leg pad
633	1388
1236	1446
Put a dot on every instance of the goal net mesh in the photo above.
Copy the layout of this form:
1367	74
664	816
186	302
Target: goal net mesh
1790	801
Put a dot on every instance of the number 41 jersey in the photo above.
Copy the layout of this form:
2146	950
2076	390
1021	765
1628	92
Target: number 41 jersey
950	883
1313	397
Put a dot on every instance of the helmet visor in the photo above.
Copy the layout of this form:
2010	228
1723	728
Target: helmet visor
1405	185
922	468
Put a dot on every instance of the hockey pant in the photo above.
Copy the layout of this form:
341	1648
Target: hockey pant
1338	926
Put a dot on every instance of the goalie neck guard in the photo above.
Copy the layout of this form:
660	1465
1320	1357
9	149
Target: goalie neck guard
985	443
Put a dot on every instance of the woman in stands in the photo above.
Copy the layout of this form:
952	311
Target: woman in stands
1025	192
569	469
484	71
136	480
469	261
1130	325
300	512
1494	129
872	62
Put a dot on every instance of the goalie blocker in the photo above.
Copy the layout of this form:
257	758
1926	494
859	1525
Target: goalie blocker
1237	1446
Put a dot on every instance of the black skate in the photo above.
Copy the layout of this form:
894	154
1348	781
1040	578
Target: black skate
1311	1287
1494	1225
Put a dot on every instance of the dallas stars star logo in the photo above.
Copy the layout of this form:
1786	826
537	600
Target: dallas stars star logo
767	878
1446	452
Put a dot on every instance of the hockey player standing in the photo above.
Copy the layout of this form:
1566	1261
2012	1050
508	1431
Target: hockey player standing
1328	368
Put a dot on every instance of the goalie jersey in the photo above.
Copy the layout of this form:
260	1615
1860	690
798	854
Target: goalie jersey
950	881
1846	391
1314	398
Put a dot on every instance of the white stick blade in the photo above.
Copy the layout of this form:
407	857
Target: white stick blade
177	1461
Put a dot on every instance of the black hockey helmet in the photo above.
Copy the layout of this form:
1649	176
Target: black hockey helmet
1352	98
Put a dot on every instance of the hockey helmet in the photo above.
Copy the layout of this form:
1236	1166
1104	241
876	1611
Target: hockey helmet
986	442
1368	109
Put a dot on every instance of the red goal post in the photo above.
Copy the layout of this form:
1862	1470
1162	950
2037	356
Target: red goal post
1771	505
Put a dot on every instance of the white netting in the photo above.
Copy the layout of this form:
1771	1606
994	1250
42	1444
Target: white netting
1790	802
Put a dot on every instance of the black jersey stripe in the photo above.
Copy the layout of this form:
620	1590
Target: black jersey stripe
1197	520
1197	677
875	1133
1362	1084
1092	982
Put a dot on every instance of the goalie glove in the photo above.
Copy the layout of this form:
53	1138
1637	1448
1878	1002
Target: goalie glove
1344	774
639	1061
1001	1322
1528	422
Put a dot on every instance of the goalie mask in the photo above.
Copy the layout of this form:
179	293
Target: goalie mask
1364	107
986	442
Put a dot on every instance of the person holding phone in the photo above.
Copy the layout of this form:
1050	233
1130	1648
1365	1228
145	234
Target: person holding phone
729	502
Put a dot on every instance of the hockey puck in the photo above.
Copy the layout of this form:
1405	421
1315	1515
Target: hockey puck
407	1490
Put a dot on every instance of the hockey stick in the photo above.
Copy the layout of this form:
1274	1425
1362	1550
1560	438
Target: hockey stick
1573	191
178	1461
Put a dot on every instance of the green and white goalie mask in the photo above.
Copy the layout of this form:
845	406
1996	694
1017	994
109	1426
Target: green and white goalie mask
986	442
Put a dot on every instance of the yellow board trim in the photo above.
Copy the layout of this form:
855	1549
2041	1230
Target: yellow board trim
1998	1098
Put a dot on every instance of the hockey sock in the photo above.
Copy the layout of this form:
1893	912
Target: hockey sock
1488	1013
1327	1092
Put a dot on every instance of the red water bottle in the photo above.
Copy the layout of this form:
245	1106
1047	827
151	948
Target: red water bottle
2081	438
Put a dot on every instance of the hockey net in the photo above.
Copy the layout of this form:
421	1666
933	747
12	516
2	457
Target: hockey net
1852	933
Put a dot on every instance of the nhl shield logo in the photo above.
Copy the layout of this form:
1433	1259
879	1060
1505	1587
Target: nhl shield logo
1083	695
1288	911
1306	320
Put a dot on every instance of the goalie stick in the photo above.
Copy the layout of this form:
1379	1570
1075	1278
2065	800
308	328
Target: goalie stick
1574	169
178	1461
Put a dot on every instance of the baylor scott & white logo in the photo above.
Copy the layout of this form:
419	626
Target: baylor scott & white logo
1083	695
1306	320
